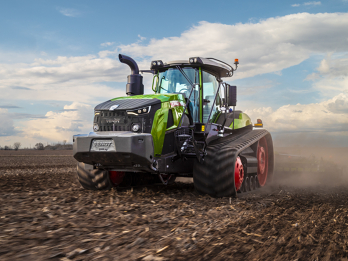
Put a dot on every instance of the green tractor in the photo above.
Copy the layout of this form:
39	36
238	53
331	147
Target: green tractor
188	128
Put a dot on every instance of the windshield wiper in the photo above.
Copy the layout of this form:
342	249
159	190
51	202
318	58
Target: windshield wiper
160	84
185	75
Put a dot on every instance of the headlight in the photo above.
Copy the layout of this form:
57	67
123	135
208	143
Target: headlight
135	127
95	127
140	111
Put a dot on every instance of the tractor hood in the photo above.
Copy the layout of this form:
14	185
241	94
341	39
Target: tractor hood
137	101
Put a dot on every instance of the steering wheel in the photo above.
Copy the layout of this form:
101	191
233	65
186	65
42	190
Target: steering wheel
184	89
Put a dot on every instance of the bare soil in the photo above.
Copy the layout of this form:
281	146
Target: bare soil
46	215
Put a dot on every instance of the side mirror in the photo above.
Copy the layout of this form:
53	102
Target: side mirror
231	95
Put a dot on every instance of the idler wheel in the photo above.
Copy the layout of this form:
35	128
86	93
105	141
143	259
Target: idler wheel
262	161
238	174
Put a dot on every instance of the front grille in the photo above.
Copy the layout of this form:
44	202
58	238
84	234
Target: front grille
119	120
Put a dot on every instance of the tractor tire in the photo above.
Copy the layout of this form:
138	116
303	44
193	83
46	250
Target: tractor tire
93	179
215	175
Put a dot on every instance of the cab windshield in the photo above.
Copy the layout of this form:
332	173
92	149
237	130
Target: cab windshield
173	81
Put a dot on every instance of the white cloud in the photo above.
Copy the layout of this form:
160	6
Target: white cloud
141	37
106	44
267	46
324	67
332	76
6	127
68	12
264	47
65	78
57	126
312	3
330	115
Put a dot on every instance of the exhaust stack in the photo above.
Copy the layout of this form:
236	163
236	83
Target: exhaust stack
134	80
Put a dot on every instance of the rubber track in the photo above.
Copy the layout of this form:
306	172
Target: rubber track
93	180
215	175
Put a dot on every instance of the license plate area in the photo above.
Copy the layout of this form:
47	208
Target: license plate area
103	145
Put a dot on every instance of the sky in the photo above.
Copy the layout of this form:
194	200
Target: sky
59	59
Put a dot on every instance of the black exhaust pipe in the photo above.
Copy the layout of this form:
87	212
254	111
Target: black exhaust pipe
135	80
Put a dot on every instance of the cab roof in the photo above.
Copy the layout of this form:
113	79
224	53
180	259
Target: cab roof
207	64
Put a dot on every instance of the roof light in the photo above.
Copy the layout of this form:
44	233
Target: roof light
195	60
156	64
236	61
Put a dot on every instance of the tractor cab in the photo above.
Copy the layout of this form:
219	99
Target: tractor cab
200	75
199	81
207	98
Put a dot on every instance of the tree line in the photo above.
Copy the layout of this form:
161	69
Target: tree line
40	146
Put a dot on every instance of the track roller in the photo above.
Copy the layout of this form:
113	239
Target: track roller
247	184
252	183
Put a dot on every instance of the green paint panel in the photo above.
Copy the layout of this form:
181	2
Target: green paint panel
159	126
177	113
242	121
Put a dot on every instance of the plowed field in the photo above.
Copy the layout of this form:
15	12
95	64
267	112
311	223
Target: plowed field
46	215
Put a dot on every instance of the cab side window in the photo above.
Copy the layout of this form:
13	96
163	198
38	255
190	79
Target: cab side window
210	86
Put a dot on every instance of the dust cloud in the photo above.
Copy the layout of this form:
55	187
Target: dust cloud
311	167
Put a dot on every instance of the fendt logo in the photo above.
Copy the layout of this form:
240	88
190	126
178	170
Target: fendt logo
114	107
102	143
115	120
